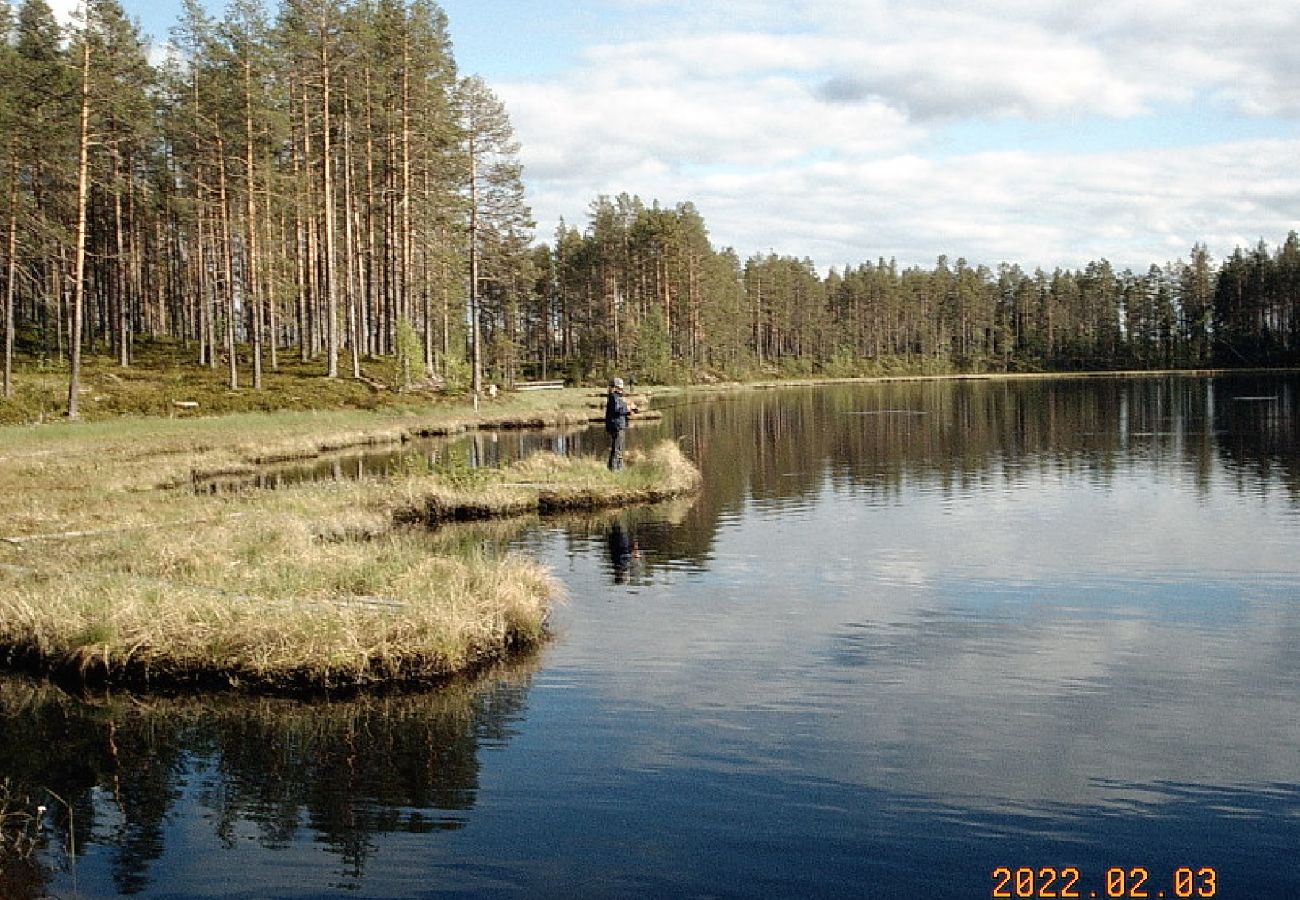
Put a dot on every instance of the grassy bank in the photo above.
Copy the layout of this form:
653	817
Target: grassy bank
266	602
164	382
109	572
548	483
108	577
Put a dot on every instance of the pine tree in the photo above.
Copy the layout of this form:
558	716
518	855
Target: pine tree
79	248
499	220
246	35
45	90
9	126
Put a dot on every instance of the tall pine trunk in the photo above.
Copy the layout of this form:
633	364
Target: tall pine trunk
83	185
120	278
476	361
407	240
250	212
349	245
272	324
327	185
11	270
228	257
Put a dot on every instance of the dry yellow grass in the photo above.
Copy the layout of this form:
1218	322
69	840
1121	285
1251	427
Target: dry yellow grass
265	601
549	483
106	578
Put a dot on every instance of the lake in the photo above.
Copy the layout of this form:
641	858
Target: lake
916	640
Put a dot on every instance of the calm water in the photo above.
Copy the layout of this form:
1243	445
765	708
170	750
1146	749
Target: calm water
907	635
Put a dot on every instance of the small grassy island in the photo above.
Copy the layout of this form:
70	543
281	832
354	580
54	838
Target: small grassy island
113	572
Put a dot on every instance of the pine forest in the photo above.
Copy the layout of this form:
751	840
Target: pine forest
318	182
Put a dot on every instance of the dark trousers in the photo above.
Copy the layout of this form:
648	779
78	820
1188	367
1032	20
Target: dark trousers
615	448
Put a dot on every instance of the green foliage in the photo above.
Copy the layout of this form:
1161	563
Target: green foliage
427	178
460	475
409	351
456	374
843	363
653	359
648	275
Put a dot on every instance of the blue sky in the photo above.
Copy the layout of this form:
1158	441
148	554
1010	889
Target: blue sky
1042	132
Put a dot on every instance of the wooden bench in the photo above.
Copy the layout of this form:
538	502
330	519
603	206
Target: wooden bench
539	385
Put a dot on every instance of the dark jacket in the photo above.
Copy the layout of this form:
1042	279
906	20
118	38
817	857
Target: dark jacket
616	412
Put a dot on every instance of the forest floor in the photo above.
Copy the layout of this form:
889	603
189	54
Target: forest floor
115	570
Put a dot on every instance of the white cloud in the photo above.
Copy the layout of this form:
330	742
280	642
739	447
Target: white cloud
1093	652
822	133
584	126
64	9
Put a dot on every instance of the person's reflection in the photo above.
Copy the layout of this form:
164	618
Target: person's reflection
623	551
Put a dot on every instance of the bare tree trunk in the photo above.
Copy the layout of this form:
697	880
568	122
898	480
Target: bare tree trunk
250	211
426	304
146	314
206	295
58	291
11	269
372	314
307	244
446	298
476	361
119	281
390	245
693	299
272	323
348	242
201	286
83	184
327	184
228	256
407	240
301	263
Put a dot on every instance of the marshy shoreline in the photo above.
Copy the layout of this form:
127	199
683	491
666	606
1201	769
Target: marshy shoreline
107	579
111	574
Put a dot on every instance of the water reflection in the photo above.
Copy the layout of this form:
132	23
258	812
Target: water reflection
905	634
636	544
478	449
624	551
263	770
777	447
1043	615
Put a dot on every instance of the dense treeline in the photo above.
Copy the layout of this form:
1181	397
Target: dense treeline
320	181
643	288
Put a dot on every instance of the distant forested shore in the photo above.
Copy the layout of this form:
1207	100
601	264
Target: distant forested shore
317	183
643	287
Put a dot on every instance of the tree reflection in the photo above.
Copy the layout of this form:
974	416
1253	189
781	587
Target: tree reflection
345	770
20	816
780	449
1257	420
777	447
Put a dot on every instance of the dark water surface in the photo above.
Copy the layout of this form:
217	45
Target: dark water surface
907	635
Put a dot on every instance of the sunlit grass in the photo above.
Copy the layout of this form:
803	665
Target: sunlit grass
549	483
310	588
105	576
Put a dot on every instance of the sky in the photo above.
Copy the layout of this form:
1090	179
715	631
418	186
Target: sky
1039	132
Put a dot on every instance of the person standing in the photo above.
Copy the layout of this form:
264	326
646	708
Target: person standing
616	415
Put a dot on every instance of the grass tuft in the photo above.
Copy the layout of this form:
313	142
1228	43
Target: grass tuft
549	483
104	578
